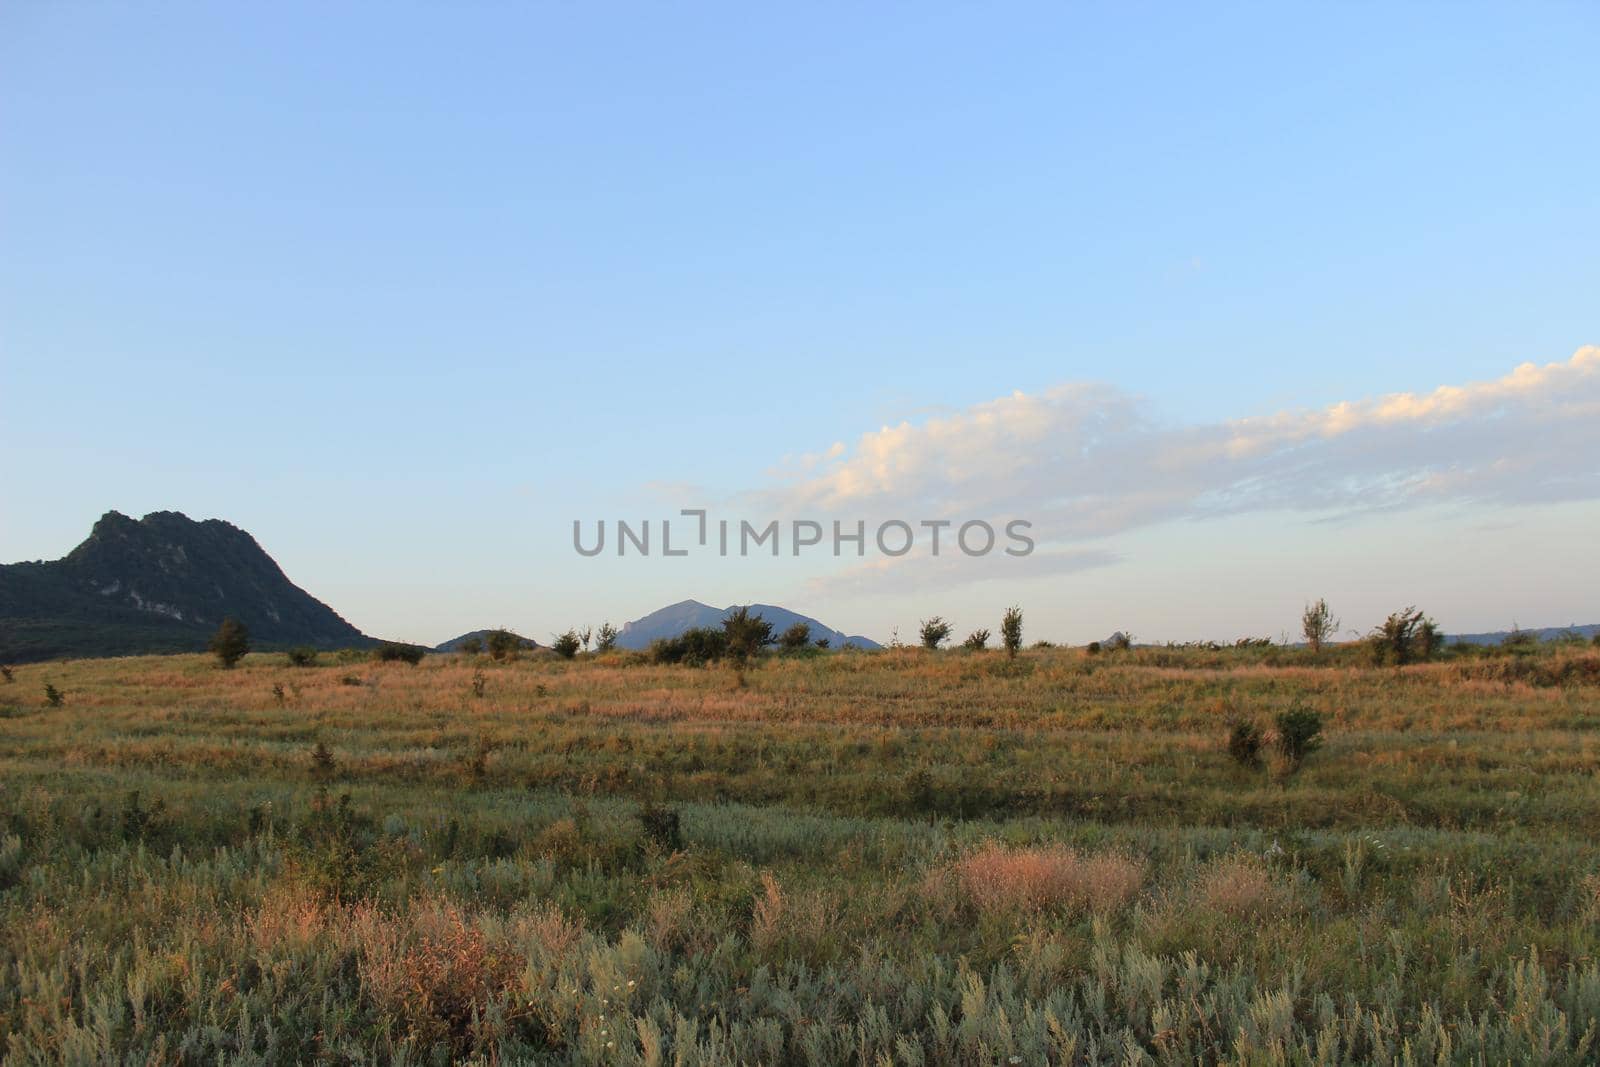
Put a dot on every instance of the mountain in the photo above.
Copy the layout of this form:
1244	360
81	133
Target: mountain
455	643
1547	633
673	619
159	584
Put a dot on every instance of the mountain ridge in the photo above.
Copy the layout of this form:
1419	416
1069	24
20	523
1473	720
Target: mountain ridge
158	584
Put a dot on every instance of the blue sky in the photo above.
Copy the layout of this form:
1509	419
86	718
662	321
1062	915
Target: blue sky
404	290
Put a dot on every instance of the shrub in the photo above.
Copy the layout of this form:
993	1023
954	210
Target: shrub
1519	638
472	646
302	656
1119	642
278	694
822	643
976	641
1093	648
746	635
693	648
351	679
934	632
566	646
662	827
1011	631
1405	636
1299	734
53	696
503	644
1318	624
479	683
395	652
605	638
323	765
230	643
1244	743
795	637
5	672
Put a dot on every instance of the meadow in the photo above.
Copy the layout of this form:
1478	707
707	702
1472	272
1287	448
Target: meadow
898	858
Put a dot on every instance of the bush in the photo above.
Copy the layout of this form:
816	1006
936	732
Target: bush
566	646
503	644
976	641
1405	636
230	643
5	672
1317	624
934	632
692	648
1011	631
302	656
1092	648
53	696
746	635
605	638
795	637
1244	743
395	652
662	827
472	646
1299	734
1119	642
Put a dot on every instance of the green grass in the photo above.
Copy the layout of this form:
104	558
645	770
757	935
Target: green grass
892	858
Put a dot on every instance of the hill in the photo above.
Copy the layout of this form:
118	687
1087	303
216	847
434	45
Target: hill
674	619
455	643
1545	633
159	584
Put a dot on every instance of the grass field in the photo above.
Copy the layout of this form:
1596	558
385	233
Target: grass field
876	858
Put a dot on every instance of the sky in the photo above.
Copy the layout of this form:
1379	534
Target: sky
1238	306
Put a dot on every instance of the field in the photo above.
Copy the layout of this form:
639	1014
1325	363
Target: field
869	858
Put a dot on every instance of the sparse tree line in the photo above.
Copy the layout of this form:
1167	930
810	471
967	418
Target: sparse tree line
1404	637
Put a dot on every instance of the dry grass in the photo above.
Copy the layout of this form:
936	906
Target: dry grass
1001	881
1241	886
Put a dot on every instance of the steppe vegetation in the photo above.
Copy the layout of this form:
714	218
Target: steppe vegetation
718	854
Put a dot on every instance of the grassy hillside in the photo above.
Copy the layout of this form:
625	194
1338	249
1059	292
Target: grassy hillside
895	857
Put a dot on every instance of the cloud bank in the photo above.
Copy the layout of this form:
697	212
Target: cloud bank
1088	461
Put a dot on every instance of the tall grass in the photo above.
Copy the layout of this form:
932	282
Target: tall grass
874	858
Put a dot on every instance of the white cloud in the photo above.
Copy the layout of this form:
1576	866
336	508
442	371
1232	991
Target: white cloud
1085	460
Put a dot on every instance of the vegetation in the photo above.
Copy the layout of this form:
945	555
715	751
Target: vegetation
472	646
1299	734
1011	631
606	638
1244	743
745	635
302	656
395	652
230	643
881	857
1318	625
795	638
502	644
567	645
1405	637
976	641
933	632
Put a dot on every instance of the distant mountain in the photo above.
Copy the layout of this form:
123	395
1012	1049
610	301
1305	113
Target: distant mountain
1546	633
674	619
161	584
455	643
